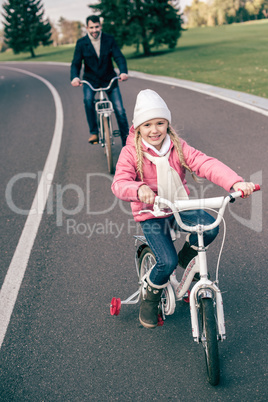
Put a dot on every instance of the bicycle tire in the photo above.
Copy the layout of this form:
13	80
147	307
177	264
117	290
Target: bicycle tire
108	148
209	340
146	263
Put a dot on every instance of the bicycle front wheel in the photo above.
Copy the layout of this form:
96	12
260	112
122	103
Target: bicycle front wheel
108	148
209	340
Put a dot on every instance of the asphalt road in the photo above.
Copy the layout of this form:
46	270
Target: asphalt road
62	344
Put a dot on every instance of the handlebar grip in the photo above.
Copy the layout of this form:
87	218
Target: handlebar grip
257	188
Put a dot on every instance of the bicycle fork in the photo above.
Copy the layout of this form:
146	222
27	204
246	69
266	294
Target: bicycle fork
205	289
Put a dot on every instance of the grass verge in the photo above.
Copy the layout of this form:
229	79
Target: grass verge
230	56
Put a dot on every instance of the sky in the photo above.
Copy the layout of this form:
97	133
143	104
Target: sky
75	10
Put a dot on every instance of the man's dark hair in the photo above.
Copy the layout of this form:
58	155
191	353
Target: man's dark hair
93	18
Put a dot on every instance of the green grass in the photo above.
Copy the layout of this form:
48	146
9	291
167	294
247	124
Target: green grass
49	53
231	56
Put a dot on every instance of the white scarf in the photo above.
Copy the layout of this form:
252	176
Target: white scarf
169	184
96	43
164	148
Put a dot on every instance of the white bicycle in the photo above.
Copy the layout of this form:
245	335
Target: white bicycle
206	305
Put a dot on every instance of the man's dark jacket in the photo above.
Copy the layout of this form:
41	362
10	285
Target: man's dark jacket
98	71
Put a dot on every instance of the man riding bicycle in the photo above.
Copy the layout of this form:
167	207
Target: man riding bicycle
96	50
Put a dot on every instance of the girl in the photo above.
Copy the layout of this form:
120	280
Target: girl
154	162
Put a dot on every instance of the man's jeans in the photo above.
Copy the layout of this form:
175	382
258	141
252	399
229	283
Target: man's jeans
116	99
157	233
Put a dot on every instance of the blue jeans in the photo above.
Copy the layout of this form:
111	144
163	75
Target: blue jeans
116	99
157	233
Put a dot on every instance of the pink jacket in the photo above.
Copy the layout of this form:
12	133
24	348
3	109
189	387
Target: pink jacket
127	181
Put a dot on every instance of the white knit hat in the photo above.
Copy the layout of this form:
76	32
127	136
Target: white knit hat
149	105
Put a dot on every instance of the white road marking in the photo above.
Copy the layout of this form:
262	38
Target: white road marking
18	265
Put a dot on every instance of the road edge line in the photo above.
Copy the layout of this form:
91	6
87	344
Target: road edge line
19	262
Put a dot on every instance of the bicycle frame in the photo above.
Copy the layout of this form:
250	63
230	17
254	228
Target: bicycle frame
203	288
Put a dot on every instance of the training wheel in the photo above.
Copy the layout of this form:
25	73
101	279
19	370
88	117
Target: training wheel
187	298
115	306
160	321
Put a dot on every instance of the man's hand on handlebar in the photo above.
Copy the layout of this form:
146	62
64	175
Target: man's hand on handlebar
76	82
123	77
246	187
145	194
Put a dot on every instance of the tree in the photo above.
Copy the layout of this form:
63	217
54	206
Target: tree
54	34
257	9
149	23
25	28
3	46
70	30
219	12
197	14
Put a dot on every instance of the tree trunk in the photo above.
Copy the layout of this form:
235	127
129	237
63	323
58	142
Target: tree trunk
146	48
32	52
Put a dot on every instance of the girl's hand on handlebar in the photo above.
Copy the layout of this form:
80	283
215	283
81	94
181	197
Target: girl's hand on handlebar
246	187
146	195
76	82
123	77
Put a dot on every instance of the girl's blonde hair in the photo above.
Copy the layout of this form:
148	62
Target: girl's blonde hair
177	144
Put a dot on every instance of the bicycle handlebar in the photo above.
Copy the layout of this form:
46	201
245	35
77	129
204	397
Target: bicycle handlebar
203	203
100	89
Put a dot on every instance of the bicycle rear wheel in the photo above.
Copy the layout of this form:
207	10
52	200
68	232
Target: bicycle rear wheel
108	148
146	263
209	340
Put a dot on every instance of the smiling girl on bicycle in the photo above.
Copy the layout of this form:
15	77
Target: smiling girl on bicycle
154	162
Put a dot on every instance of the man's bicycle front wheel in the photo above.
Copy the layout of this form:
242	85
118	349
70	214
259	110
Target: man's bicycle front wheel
209	340
108	148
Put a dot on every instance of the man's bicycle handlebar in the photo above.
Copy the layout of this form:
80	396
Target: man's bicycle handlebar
100	89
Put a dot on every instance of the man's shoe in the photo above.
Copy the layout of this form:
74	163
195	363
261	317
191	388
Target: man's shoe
93	139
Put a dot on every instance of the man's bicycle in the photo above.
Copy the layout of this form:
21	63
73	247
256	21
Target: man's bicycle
206	304
104	110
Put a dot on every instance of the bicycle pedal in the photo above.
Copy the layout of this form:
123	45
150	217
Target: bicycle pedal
116	133
94	143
